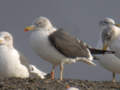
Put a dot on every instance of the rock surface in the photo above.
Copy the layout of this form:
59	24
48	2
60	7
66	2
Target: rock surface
47	84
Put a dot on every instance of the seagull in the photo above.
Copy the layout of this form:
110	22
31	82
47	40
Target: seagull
12	62
109	40
57	46
36	71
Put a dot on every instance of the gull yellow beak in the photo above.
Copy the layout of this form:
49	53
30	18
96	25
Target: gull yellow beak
29	28
117	25
105	46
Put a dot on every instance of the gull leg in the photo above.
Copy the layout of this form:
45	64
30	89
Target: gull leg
113	80
61	71
53	72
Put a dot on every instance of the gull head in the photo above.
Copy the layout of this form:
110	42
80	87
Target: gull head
107	21
6	39
39	22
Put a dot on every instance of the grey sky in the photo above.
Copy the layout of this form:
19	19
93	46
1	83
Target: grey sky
78	17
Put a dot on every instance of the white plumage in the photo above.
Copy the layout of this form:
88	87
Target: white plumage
10	63
108	61
41	45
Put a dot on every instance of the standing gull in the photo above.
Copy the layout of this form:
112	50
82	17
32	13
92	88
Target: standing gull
10	64
58	47
109	36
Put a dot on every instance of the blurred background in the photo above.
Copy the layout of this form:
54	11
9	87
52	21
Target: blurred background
78	17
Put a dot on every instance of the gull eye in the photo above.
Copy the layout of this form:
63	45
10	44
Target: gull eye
39	23
7	38
105	22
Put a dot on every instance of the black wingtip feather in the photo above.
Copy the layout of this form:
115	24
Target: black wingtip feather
99	51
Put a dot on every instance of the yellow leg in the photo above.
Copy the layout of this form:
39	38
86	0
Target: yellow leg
61	71
53	73
114	79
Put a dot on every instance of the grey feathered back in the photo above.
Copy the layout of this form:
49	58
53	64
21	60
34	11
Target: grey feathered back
68	45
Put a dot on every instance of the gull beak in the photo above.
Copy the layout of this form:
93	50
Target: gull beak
105	46
117	25
29	28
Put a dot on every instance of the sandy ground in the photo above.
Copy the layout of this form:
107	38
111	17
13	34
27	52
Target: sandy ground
47	84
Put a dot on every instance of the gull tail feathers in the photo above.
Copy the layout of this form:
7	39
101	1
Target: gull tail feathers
36	72
87	61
